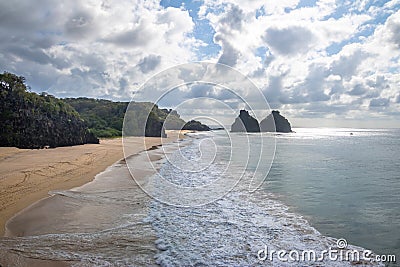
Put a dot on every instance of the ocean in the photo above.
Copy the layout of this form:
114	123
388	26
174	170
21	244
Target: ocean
212	204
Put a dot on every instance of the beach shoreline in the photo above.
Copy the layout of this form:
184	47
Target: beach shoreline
38	218
27	176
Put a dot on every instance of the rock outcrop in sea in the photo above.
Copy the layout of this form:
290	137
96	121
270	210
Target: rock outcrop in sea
275	122
195	126
245	123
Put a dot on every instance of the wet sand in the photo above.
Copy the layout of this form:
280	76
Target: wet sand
27	176
36	172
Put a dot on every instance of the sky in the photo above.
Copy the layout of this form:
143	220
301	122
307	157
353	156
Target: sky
322	63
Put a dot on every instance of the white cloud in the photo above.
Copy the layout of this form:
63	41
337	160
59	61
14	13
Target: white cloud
90	47
330	59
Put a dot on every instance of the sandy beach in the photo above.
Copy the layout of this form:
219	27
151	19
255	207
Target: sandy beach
27	176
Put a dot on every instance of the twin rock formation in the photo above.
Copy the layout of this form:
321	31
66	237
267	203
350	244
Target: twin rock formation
274	122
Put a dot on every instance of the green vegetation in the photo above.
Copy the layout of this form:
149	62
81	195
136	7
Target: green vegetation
29	120
142	118
103	117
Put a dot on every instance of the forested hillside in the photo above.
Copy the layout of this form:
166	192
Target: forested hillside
29	120
105	118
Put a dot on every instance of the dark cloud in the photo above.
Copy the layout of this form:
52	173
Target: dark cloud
258	73
149	63
92	61
138	36
273	91
80	25
229	54
374	93
26	53
123	84
233	18
289	41
358	90
336	88
318	96
20	16
200	90
398	99
346	66
380	83
315	83
311	90
211	91
394	31
379	102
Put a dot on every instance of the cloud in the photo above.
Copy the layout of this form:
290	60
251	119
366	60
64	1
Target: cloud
135	37
229	55
92	48
289	41
324	58
80	25
233	18
358	90
149	63
393	29
227	26
379	102
346	65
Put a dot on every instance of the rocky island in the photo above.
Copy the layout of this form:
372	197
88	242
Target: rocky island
274	122
245	123
195	126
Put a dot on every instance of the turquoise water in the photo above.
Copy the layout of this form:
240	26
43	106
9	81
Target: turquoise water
345	185
323	184
344	182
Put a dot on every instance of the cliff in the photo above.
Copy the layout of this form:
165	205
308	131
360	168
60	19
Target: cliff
105	118
29	120
275	122
245	123
172	120
143	119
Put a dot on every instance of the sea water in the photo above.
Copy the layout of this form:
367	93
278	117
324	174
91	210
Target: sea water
343	182
323	184
346	182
